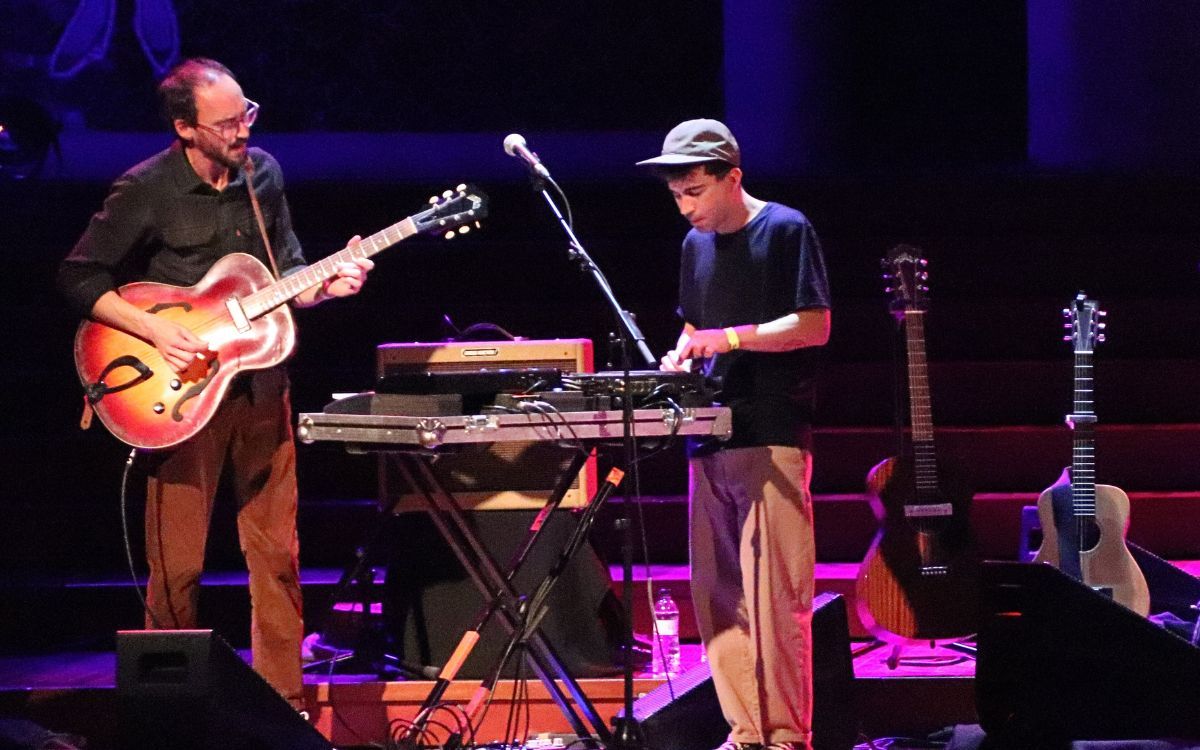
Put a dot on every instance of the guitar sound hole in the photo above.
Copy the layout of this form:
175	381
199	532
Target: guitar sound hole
1089	535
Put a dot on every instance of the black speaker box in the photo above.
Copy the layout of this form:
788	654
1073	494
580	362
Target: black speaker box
1058	662
1171	589
188	690
685	715
430	600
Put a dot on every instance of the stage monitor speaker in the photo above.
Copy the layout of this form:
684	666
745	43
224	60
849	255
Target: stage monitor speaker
500	476
692	718
188	690
1058	661
1171	589
430	601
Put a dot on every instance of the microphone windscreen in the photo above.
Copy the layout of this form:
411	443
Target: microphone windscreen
511	142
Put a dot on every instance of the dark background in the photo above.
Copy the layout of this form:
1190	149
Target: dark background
1032	151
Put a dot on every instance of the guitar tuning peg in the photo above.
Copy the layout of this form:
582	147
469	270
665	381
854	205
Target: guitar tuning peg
924	262
1102	313
1066	313
1066	338
464	229
1102	326
888	290
478	225
447	194
1101	337
433	199
462	188
1068	326
449	235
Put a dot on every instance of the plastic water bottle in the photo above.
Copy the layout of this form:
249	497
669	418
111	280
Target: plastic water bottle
665	647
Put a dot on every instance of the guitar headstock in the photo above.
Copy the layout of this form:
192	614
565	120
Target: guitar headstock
1085	321
453	211
906	277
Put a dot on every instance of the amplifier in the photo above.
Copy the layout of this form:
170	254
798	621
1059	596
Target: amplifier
501	476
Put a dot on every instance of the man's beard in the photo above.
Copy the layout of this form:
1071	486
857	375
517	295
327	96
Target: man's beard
225	155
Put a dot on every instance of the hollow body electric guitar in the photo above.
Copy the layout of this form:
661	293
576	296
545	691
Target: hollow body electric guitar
1084	523
240	311
920	578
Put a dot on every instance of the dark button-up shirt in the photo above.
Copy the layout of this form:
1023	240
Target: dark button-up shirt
162	223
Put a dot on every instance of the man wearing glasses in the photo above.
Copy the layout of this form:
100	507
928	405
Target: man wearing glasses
168	220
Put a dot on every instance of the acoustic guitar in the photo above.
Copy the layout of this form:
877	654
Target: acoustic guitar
240	311
920	578
1084	523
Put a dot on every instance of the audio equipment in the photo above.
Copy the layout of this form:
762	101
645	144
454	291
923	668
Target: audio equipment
693	719
188	690
513	475
429	599
1061	661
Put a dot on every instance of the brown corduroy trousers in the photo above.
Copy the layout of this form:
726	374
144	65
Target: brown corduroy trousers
252	430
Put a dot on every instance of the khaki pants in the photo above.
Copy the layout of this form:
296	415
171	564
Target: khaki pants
753	556
252	428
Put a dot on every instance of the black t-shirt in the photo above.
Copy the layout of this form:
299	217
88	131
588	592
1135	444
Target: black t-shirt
769	268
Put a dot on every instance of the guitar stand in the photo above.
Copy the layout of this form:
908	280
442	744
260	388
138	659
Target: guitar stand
896	658
500	597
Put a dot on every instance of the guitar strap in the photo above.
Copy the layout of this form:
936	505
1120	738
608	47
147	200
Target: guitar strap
248	168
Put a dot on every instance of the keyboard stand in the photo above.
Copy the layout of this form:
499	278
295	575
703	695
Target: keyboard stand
499	597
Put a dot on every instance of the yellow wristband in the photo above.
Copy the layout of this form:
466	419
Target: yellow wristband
732	336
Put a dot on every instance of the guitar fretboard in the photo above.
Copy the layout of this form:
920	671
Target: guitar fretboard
924	457
268	298
1083	424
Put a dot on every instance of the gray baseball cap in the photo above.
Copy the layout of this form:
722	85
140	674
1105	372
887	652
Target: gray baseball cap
695	142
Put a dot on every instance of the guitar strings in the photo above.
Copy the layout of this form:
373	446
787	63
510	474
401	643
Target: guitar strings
327	266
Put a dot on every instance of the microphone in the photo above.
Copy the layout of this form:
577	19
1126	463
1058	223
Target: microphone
514	145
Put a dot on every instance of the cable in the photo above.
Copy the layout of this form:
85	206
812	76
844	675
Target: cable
550	411
137	587
670	438
566	203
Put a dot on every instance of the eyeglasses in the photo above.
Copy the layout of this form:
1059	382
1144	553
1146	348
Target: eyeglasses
228	127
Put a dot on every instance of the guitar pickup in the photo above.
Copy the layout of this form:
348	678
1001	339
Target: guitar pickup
928	511
240	320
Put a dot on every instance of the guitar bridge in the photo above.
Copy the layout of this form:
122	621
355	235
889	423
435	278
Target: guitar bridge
934	570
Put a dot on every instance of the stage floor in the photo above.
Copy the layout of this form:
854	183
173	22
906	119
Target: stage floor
75	691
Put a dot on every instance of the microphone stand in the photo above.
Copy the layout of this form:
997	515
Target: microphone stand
628	326
627	733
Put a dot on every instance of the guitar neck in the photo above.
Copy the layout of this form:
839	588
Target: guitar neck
284	290
924	457
1083	426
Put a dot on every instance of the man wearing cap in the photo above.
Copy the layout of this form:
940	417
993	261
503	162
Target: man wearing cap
754	300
